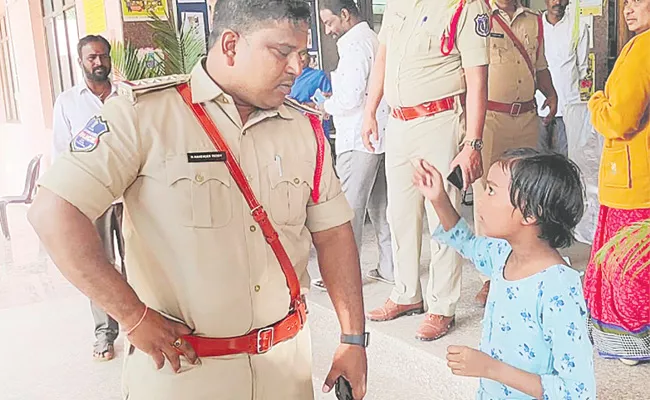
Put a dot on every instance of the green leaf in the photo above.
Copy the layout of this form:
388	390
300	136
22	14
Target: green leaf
127	65
183	47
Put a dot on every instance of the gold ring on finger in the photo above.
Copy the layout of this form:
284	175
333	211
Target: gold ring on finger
178	343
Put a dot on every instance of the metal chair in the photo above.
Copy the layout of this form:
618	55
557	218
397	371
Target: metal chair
26	198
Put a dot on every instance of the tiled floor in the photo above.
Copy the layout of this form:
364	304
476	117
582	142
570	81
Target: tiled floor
46	334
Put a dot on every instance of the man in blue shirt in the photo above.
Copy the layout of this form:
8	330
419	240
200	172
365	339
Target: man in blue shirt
306	85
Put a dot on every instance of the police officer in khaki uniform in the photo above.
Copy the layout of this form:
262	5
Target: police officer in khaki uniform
202	276
432	68
511	119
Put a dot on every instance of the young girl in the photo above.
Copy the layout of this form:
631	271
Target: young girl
535	343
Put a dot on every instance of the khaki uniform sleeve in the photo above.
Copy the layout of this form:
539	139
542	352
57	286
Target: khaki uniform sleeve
91	180
472	37
332	209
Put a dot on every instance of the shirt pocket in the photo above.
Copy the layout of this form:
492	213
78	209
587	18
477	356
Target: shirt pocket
500	51
201	192
291	187
615	170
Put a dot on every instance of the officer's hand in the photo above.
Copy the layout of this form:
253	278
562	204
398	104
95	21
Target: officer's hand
471	163
349	362
551	104
156	336
368	128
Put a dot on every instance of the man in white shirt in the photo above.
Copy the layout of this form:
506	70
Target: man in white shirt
362	174
73	112
567	52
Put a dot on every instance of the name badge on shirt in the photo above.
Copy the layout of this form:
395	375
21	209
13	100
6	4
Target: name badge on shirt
497	35
206	156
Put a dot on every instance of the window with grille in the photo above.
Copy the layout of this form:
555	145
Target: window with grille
8	81
62	35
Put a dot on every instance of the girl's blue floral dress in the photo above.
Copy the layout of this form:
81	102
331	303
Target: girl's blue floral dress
537	324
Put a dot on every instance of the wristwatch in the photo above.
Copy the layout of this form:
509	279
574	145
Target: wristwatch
475	144
356	340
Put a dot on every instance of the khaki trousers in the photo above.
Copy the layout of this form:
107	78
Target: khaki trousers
434	139
502	132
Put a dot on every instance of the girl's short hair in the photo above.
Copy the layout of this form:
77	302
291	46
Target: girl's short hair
549	188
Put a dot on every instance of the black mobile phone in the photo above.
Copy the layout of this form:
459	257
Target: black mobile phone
456	177
343	389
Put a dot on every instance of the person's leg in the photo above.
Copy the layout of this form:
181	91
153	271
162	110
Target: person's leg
443	288
377	211
405	212
106	328
545	138
357	171
561	140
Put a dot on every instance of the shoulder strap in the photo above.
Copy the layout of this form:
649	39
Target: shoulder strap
133	89
540	34
317	126
314	117
516	42
257	211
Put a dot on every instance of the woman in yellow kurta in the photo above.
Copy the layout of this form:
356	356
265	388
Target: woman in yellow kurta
619	303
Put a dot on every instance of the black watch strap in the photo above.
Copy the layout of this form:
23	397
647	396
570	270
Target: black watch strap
357	340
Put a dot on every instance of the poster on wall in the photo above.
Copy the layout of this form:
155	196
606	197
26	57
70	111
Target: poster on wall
587	85
194	15
312	36
591	7
140	10
195	22
95	16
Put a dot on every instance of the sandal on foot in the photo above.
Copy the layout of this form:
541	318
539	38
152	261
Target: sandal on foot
104	351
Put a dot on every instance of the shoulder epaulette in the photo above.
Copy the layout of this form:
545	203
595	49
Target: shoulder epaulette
133	89
289	102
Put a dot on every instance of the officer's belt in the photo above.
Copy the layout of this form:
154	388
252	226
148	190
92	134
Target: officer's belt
514	109
258	341
425	109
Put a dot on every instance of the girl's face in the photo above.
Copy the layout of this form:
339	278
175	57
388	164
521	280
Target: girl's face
499	218
637	15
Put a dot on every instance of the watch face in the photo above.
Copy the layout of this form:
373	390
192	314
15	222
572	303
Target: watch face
478	145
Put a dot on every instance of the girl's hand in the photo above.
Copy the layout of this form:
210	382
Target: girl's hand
428	180
465	361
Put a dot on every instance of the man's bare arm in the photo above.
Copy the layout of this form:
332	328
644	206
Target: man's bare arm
375	94
376	82
476	101
75	247
339	265
470	160
338	259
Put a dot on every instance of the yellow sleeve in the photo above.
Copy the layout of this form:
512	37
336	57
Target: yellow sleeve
102	162
473	32
332	209
620	112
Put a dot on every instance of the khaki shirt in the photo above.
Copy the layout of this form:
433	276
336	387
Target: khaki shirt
193	250
416	70
509	79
